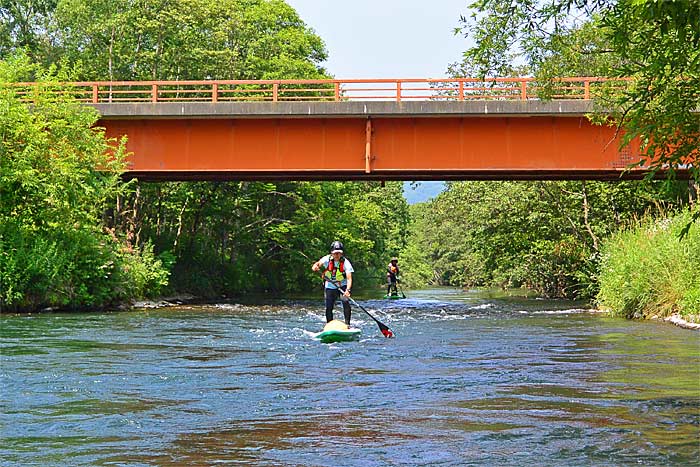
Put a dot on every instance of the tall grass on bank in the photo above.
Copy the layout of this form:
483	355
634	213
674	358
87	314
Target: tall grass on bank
648	270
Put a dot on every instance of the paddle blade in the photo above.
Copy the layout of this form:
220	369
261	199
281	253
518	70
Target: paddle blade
386	331
382	327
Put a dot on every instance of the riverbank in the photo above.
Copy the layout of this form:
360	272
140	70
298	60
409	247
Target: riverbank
651	270
678	320
164	302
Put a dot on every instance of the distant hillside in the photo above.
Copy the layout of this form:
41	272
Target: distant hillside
423	192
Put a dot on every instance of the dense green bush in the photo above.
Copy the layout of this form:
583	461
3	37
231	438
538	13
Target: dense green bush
648	270
58	175
541	235
72	269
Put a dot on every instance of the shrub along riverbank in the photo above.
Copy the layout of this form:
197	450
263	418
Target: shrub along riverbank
648	271
55	251
564	240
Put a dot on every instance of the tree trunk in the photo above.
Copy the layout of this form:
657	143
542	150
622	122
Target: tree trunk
586	220
692	192
179	224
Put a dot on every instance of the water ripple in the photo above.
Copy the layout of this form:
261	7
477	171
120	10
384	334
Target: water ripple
469	380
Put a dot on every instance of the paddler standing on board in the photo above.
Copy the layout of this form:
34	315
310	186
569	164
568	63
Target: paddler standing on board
337	279
392	273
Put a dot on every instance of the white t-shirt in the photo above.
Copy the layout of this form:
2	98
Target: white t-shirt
346	266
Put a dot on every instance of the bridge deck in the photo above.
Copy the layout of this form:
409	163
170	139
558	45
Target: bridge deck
366	141
210	110
386	129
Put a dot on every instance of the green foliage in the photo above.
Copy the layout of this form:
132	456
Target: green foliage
165	40
58	173
64	268
541	235
236	237
654	42
659	42
50	153
140	272
416	261
646	270
72	269
23	24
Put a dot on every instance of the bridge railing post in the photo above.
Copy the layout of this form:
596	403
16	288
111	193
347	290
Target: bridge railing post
95	93
587	89
461	90
398	91
215	92
337	91
275	92
523	90
154	93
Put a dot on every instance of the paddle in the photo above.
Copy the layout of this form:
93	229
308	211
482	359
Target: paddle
382	327
403	295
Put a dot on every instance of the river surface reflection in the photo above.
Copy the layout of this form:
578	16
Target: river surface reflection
469	380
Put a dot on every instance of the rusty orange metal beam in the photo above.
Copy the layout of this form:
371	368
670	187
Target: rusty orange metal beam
403	129
401	148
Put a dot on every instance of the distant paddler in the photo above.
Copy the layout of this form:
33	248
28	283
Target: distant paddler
392	277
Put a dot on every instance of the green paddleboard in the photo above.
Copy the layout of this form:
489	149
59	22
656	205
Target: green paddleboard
328	337
393	297
337	331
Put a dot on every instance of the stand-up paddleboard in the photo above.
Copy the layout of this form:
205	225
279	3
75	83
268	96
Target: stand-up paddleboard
393	297
337	331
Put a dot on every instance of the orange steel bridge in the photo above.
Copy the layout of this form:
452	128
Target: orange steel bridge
361	129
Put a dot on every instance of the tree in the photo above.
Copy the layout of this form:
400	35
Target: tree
190	39
23	25
58	173
541	235
654	42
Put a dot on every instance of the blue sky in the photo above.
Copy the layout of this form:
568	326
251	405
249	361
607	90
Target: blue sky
388	39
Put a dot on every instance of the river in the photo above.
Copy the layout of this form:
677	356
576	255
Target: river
470	379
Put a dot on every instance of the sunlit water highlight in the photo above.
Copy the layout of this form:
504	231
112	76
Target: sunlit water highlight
469	380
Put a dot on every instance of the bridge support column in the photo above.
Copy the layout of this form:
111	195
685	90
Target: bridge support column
368	145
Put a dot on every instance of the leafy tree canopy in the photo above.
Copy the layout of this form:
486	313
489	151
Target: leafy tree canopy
655	42
165	40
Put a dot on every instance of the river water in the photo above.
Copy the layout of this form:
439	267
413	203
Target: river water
469	380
